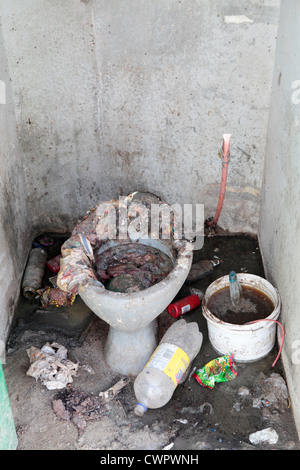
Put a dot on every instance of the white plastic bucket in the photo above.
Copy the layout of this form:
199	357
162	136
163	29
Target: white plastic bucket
247	342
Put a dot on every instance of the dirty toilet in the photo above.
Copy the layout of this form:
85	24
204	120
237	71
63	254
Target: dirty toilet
131	315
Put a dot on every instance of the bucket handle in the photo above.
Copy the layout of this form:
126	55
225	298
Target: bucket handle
275	321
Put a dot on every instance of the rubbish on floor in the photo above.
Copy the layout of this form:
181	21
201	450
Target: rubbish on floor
221	369
178	308
182	421
265	436
206	408
236	406
195	291
78	407
88	369
34	271
54	264
169	446
46	241
270	391
55	296
201	269
51	366
53	281
243	391
114	390
178	347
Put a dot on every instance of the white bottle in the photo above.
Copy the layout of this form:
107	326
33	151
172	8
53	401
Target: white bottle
155	384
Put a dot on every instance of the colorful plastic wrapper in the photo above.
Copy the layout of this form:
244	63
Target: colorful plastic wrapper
221	369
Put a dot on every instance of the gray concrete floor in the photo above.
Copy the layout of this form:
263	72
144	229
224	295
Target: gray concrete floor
196	418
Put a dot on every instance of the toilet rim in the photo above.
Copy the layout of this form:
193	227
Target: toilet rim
77	271
182	265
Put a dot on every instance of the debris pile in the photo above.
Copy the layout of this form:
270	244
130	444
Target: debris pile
51	366
78	407
270	392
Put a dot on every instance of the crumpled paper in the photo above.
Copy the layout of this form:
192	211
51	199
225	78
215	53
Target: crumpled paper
51	366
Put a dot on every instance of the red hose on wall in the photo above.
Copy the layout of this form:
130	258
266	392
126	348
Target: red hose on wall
225	161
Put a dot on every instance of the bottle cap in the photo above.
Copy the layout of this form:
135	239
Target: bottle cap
140	409
232	276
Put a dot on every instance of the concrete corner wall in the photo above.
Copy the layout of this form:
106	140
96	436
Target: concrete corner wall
115	96
15	221
280	211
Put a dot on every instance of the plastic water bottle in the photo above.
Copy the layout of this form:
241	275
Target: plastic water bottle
235	289
156	383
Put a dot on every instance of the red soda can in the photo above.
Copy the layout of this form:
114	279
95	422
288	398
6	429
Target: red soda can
184	305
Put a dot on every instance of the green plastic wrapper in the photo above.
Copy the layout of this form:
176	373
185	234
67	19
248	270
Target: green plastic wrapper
221	369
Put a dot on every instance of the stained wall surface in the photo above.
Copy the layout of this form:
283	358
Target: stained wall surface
15	216
280	213
112	97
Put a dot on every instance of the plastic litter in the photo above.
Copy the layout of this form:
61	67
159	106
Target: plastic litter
265	436
270	391
201	269
46	241
235	289
54	264
178	308
51	366
155	384
221	369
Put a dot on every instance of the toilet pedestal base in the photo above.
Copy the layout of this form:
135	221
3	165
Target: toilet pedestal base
127	352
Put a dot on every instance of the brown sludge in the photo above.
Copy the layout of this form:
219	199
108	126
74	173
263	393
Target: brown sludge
132	267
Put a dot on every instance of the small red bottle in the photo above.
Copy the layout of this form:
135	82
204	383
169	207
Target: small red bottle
184	305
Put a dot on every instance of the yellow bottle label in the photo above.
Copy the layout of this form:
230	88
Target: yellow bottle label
171	360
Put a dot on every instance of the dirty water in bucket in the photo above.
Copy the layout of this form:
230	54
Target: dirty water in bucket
196	418
253	305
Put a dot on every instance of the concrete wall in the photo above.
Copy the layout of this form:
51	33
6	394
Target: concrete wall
15	222
280	212
117	96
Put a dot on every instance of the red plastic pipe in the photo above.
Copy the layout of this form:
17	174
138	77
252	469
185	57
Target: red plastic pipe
225	162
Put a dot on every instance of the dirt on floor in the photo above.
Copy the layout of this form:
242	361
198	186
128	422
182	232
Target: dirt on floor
196	418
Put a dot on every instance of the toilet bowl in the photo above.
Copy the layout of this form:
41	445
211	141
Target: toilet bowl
132	315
